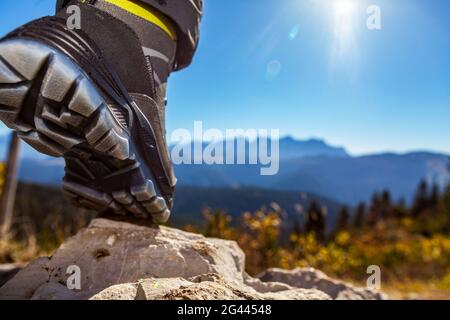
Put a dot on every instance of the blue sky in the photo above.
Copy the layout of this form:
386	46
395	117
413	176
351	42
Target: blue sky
311	68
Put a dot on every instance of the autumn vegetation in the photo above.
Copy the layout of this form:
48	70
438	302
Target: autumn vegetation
409	242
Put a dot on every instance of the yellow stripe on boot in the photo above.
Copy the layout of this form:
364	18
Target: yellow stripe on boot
147	13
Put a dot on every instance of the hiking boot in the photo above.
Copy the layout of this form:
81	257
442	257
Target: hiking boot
96	96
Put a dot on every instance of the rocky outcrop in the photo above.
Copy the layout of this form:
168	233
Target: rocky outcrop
203	287
309	278
126	259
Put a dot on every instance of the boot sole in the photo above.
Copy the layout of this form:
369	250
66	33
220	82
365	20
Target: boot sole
56	108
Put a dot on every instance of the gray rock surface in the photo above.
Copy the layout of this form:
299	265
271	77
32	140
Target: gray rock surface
125	260
7	271
310	278
204	287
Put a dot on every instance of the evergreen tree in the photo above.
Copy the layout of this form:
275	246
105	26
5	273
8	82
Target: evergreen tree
359	219
316	221
375	209
385	205
434	197
400	210
444	210
421	199
342	220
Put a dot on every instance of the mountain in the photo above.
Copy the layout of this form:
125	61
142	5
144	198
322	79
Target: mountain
290	148
313	166
355	179
346	179
294	149
305	166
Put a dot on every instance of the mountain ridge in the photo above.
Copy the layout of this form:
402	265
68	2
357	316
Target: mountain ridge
305	165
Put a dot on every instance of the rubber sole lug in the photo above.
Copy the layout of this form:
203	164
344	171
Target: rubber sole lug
55	107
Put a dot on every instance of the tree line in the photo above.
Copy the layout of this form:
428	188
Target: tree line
430	211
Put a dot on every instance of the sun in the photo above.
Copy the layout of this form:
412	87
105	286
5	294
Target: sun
344	8
344	16
342	25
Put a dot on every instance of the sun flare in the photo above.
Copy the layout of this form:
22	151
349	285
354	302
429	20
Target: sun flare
344	13
344	8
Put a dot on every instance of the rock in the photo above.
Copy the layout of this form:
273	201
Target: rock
123	259
155	289
118	292
56	291
310	278
112	252
26	281
264	287
7	271
205	287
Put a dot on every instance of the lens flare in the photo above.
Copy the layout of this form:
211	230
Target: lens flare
344	14
344	8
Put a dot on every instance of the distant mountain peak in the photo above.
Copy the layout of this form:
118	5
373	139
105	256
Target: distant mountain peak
316	140
291	148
